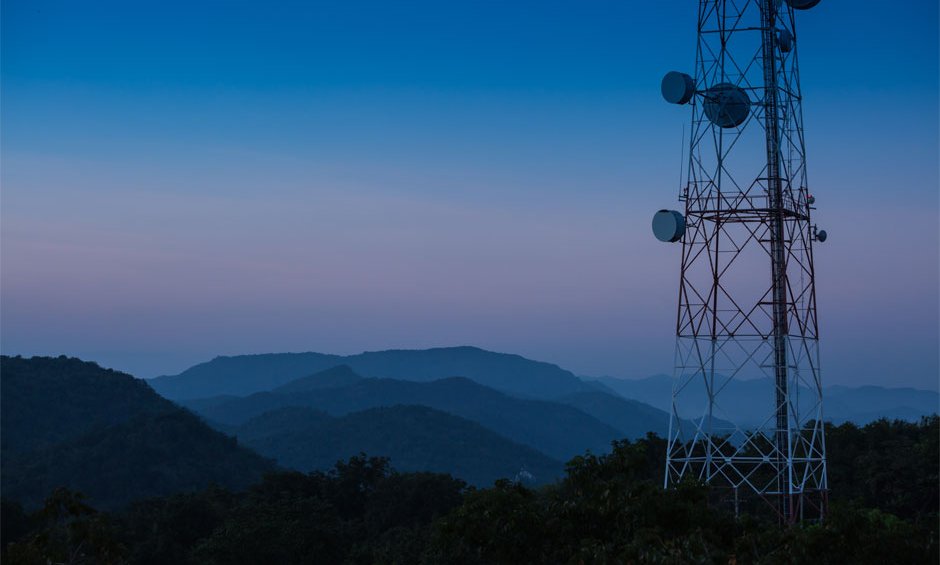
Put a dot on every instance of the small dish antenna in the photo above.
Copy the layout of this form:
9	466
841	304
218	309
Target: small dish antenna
668	226
677	87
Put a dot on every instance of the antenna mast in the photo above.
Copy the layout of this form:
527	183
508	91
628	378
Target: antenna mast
741	326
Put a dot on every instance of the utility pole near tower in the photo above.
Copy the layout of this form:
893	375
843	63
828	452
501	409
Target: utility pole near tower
747	208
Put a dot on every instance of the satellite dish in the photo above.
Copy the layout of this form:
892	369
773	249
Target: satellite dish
677	87
821	235
785	40
668	226
727	105
802	4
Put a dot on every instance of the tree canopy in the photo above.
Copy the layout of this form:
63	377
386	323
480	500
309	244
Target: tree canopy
608	508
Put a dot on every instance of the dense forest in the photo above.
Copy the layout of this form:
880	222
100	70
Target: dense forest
606	509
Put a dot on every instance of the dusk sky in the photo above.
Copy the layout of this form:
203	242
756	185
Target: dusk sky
182	180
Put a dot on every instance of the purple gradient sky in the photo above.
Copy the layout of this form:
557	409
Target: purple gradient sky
319	179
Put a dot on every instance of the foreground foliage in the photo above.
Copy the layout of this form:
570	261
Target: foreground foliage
607	509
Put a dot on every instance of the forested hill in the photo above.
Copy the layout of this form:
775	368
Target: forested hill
66	422
246	374
48	400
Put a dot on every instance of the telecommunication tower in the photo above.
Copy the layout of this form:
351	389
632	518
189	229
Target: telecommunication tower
747	299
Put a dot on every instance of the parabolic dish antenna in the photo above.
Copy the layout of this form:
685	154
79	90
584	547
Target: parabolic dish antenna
668	226
677	87
727	105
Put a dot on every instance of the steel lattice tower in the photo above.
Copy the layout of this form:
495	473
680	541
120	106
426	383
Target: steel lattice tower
747	299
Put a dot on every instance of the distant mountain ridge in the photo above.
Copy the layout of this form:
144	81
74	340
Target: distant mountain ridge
558	430
632	417
246	374
334	377
523	378
859	405
241	375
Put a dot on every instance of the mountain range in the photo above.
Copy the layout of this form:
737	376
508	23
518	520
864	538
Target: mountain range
472	413
246	374
559	430
339	403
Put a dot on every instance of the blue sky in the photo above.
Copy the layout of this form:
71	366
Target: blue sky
182	180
